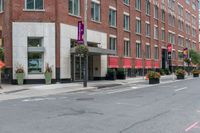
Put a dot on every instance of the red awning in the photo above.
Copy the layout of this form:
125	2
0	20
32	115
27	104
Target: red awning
156	64
138	63
148	64
127	63
113	62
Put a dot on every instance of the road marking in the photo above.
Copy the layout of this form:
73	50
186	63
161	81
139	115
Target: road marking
123	90
180	89
192	126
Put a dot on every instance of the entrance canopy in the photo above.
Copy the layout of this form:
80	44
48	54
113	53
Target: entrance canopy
97	51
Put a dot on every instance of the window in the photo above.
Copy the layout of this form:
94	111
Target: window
171	20
156	11
163	35
174	55
180	10
171	38
112	17
180	56
194	32
193	6
163	15
127	2
138	5
138	26
126	22
155	32
138	50
127	48
112	45
180	41
187	15
35	4
148	29
148	51
148	7
1	5
187	42
35	56
95	11
187	1
194	45
74	7
180	25
156	54
171	4
187	29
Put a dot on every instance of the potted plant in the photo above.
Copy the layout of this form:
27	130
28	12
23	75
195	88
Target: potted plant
195	73
20	75
180	73
82	50
48	74
121	73
110	74
154	77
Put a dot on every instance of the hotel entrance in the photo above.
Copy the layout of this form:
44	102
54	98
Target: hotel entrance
77	66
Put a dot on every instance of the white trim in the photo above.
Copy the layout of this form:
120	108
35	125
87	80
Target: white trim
138	18
180	51
113	36
126	13
180	36
138	41
147	22
96	1
126	39
180	5
155	45
147	43
112	8
171	32
155	25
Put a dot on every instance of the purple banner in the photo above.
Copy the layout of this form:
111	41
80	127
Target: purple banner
185	53
80	32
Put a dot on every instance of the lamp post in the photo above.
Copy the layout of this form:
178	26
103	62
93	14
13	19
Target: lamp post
85	43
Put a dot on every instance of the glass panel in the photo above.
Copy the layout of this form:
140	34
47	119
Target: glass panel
70	8
35	63
39	4
34	42
29	4
76	7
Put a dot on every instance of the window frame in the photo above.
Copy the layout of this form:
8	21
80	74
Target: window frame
43	8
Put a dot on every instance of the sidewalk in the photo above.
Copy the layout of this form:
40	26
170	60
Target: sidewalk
25	91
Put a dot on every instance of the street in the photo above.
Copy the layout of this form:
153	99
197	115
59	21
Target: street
137	108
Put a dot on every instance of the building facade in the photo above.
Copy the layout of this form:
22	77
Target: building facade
36	32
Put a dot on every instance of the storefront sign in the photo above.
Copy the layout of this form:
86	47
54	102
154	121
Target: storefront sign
80	32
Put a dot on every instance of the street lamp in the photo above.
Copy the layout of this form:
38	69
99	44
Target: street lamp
85	43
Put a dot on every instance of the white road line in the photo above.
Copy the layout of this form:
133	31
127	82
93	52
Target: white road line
123	90
180	89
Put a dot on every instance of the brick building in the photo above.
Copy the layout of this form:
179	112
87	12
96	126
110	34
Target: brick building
36	32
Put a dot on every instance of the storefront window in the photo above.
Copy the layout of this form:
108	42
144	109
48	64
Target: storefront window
35	56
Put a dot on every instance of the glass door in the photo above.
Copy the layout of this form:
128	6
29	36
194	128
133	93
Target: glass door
78	68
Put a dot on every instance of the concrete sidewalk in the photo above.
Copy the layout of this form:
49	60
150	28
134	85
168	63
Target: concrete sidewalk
24	91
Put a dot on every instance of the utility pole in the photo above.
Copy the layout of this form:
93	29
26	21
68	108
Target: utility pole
85	43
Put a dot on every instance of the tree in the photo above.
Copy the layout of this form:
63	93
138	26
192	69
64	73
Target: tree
195	57
2	54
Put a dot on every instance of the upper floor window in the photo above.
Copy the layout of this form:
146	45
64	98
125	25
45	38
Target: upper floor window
187	1
138	5
138	26
112	17
127	48
112	43
95	10
35	4
126	22
1	5
171	4
148	7
193	6
127	2
180	10
156	11
74	7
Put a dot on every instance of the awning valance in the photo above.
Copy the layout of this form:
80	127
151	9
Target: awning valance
97	51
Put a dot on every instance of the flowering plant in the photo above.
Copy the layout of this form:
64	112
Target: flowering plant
20	69
153	75
82	50
180	72
48	68
195	71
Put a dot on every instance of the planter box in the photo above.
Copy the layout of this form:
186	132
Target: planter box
48	77
110	77
154	81
195	75
20	78
180	77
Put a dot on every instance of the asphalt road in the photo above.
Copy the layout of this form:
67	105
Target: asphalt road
166	108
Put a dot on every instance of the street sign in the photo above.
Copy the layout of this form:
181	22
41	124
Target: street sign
80	39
